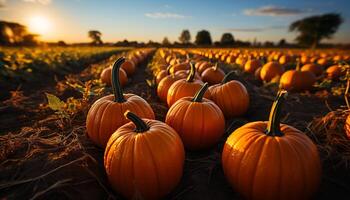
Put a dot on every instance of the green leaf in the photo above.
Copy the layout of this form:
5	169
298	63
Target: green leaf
54	102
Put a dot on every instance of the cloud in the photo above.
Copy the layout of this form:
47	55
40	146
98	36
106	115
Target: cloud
44	2
258	29
273	11
164	15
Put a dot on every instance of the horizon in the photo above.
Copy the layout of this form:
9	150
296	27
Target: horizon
153	20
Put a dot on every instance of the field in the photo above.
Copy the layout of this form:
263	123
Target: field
47	152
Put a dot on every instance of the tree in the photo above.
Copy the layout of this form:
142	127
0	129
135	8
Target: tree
16	34
185	37
95	36
282	42
203	38
227	39
313	29
166	41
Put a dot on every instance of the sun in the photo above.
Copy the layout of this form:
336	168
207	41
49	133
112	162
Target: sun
39	25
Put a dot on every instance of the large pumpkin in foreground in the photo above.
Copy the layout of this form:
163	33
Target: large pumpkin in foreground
144	158
266	160
199	121
107	114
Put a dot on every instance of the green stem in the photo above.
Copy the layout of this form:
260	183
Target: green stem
168	69
228	77
297	68
190	76
117	89
141	126
273	126
199	95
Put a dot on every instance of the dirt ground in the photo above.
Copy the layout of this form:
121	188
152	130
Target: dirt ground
43	157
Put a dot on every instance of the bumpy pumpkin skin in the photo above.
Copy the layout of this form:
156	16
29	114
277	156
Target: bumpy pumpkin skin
297	80
199	124
182	88
270	70
164	85
213	75
263	167
144	165
105	116
232	98
106	76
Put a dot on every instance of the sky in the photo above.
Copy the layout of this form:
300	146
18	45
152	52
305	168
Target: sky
145	20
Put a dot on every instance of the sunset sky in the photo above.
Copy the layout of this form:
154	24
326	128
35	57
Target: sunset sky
143	20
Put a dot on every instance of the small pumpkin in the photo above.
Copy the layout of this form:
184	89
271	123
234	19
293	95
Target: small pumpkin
252	65
129	67
162	74
107	114
270	70
185	87
314	68
213	75
106	76
199	121
297	80
179	66
203	67
269	160
185	73
231	96
164	85
144	158
347	126
334	72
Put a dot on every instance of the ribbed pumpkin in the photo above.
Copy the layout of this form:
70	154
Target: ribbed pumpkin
144	158
270	70
164	85
162	74
213	75
106	76
185	73
199	121
204	66
314	68
297	80
252	65
180	66
129	67
269	160
231	96
107	114
334	72
185	88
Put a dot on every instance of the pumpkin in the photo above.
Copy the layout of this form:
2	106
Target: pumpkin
270	70
252	65
347	126
231	59
144	158
164	85
231	96
107	114
269	160
334	72
184	88
314	68
162	74
185	73
322	61
285	59
180	66
257	73
297	80
203	67
129	67
199	121
213	75
106	76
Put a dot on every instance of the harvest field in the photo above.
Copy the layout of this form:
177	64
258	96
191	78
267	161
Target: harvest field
118	100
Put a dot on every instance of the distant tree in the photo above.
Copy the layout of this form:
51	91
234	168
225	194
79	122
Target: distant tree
268	44
16	34
203	38
166	42
95	36
61	43
30	39
227	39
185	37
282	42
313	29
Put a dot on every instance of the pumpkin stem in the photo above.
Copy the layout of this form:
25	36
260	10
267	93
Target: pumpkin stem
216	66
117	89
168	69
273	126
297	68
228	77
190	76
198	97
141	126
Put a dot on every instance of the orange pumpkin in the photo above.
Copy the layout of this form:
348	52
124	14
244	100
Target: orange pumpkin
162	74
213	75
314	68
185	87
203	67
347	126
129	67
252	65
285	59
297	80
180	66
199	121
107	114
106	76
185	73
144	158
269	160
231	96
164	85
334	72
270	70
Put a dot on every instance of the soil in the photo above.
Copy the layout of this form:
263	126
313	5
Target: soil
42	156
